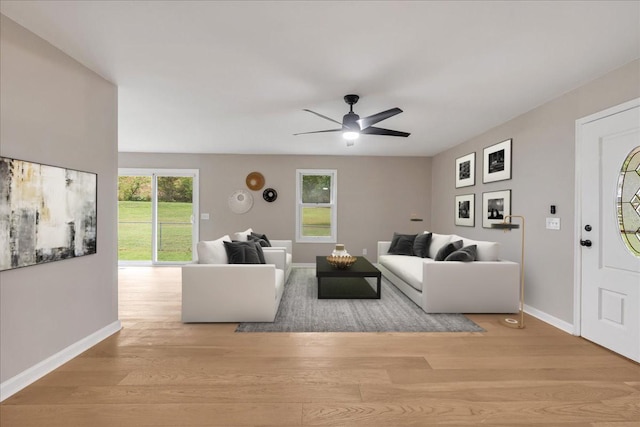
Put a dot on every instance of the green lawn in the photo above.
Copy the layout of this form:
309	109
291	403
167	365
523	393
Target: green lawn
316	222
174	232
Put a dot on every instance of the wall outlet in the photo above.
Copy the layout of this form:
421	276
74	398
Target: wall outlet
553	223
204	216
364	251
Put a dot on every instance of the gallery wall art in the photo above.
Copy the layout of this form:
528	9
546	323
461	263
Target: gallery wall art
47	213
465	210
496	205
497	162
466	170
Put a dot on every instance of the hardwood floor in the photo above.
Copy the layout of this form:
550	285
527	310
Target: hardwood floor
160	372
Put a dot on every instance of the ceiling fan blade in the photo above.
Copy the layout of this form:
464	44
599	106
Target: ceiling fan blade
324	117
371	130
319	131
372	120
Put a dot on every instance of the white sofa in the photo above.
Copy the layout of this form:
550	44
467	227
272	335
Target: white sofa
285	247
215	291
488	285
232	292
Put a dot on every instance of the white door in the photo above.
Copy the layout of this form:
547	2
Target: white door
610	228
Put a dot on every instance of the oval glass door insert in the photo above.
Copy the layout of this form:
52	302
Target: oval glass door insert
628	203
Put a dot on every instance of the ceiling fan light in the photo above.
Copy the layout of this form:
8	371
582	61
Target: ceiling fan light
350	135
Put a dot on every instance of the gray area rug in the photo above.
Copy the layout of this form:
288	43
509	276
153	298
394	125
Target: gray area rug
301	311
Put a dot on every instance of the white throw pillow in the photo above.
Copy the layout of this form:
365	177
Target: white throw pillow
213	252
242	235
486	251
437	242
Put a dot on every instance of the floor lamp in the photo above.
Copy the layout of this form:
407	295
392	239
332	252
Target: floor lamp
508	226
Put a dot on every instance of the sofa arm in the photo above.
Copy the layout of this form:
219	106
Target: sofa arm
228	292
383	248
471	287
287	244
276	256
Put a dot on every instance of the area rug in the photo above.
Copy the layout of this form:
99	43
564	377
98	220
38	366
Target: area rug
301	311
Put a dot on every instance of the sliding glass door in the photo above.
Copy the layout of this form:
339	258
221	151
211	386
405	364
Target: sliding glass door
157	215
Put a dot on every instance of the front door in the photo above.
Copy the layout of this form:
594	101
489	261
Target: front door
609	161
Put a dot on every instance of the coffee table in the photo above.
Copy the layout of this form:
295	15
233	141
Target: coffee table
334	283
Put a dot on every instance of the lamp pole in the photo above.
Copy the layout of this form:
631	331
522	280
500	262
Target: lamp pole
510	322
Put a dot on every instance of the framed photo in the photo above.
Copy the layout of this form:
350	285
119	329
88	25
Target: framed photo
496	205
466	170
47	213
465	210
497	162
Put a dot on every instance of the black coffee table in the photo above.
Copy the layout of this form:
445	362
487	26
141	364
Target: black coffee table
334	283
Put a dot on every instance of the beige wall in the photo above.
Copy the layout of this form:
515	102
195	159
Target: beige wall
376	195
57	112
543	174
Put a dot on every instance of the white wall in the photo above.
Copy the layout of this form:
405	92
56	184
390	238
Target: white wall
543	174
56	112
376	195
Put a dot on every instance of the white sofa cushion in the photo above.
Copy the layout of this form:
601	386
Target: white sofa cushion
408	268
437	242
213	252
486	251
241	236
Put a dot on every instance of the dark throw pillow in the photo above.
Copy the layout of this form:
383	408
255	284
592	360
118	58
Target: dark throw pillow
254	236
466	254
421	245
402	244
244	253
447	249
261	242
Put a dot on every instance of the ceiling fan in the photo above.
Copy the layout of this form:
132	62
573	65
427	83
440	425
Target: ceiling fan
353	125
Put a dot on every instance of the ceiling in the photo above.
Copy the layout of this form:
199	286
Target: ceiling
234	77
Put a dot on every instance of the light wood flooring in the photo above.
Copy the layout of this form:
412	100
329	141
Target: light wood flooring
160	372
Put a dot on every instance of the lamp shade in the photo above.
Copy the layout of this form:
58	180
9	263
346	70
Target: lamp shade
505	226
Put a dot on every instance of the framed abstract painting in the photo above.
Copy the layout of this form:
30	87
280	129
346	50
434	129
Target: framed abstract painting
47	213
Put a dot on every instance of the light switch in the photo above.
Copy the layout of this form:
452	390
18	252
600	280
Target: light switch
553	223
204	216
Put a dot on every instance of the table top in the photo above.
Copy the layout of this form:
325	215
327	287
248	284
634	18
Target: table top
361	267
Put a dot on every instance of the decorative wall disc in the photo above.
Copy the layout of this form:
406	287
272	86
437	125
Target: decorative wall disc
255	181
240	201
270	195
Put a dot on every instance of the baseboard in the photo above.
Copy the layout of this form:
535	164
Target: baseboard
304	264
547	318
13	385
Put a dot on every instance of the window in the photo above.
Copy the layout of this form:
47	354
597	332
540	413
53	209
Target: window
316	214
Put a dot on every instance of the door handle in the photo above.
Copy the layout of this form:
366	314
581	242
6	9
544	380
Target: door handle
586	243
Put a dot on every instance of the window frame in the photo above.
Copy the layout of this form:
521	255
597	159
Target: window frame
333	204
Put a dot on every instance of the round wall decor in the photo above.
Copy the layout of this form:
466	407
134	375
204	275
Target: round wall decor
240	201
270	195
255	181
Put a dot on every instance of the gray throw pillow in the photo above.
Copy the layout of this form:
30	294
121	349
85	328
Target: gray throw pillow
421	245
254	236
466	254
244	253
261	242
447	249
402	244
